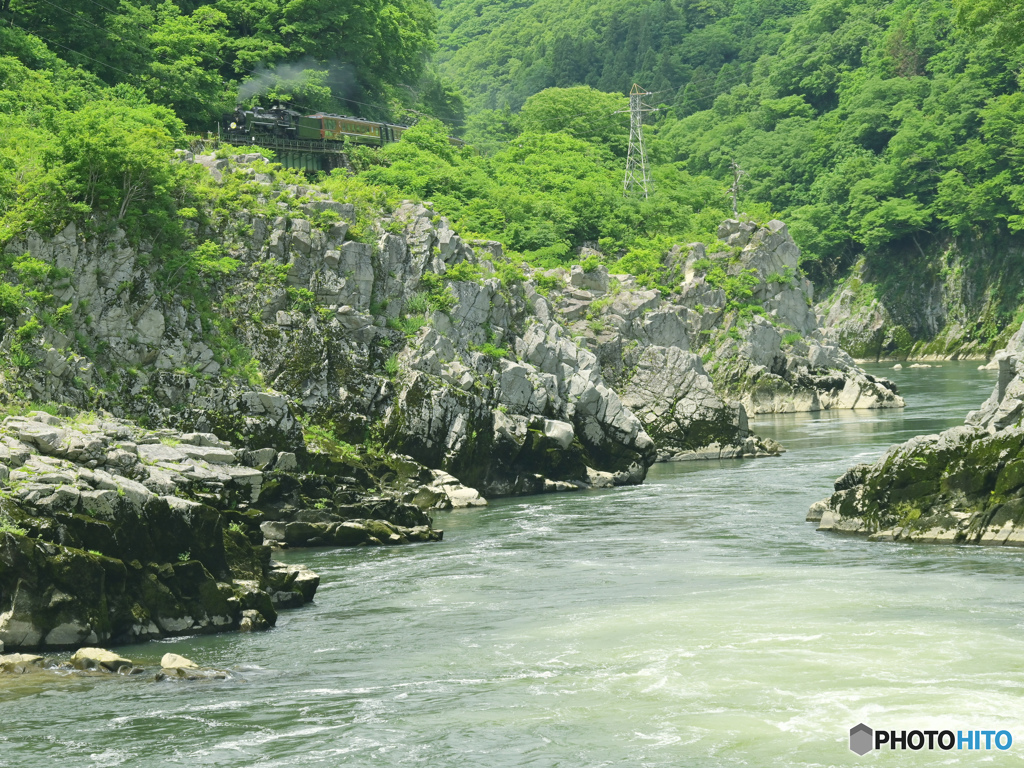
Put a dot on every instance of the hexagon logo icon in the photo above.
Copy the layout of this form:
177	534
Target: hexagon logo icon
861	739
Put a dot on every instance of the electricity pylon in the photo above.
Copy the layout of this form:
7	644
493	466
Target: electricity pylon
636	157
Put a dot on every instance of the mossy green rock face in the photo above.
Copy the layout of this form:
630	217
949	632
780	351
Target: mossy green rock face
53	596
965	485
92	555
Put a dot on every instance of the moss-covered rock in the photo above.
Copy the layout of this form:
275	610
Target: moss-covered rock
965	485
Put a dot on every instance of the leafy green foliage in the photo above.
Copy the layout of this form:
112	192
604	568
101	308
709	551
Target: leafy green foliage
503	52
464	271
197	56
489	349
546	193
439	296
12	300
8	526
871	127
210	260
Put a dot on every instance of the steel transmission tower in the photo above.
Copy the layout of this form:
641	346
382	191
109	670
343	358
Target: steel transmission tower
636	157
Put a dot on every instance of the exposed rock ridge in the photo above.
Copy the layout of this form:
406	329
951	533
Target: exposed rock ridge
743	311
781	361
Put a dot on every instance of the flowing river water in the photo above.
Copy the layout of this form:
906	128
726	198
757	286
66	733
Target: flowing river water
696	620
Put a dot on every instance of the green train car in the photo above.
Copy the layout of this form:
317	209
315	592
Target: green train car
283	123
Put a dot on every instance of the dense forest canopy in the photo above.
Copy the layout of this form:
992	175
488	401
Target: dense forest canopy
867	125
500	53
364	57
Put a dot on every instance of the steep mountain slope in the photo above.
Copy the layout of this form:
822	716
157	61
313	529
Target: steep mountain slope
501	53
882	133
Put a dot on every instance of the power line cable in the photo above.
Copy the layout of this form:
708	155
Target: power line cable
100	5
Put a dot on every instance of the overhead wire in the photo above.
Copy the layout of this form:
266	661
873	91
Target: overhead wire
72	50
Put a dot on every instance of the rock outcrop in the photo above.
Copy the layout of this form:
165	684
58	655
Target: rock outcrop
780	361
293	371
964	485
101	662
724	335
110	532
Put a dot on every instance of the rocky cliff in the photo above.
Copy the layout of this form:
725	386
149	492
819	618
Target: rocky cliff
297	371
380	342
964	485
955	299
728	333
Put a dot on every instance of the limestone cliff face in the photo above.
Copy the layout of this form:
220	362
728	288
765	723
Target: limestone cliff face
965	485
781	361
420	343
373	341
952	300
736	336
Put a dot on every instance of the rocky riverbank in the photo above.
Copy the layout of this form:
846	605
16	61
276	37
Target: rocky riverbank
964	485
110	532
954	299
99	662
304	372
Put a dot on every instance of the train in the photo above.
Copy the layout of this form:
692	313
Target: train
284	123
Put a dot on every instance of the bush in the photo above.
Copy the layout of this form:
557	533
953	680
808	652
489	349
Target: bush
12	300
490	350
440	297
464	272
418	304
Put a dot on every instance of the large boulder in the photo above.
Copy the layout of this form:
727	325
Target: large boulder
964	485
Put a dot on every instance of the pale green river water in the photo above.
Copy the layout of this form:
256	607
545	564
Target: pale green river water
696	620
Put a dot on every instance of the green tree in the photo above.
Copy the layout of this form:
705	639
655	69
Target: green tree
587	114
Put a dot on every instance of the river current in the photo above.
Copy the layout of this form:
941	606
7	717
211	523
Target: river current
696	620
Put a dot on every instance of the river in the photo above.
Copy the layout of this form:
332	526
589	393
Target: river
696	620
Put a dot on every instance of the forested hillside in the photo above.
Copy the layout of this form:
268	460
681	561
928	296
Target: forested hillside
363	58
887	135
688	51
863	123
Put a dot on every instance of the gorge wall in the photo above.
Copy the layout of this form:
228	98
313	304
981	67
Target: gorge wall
306	372
955	299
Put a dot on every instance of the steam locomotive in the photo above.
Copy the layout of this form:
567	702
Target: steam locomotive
284	123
